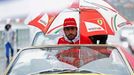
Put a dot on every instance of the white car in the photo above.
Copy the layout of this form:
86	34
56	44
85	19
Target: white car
72	59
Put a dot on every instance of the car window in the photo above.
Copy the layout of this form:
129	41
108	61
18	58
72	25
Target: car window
96	59
42	39
39	37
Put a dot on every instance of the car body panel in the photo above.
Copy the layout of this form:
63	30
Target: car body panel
37	59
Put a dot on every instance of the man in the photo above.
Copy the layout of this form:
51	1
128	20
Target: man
71	35
8	36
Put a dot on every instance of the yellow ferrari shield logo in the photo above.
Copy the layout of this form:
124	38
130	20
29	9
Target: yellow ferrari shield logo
100	21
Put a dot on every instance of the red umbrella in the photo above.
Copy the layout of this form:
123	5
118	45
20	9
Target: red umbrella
95	18
92	19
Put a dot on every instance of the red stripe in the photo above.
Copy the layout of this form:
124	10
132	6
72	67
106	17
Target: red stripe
35	22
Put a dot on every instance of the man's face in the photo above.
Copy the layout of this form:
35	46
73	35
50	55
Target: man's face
70	32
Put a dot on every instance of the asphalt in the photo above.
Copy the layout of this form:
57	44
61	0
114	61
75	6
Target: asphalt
2	61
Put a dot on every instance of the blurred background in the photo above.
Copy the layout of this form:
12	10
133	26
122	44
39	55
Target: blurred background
125	8
16	11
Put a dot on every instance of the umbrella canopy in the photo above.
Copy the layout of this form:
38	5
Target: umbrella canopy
93	17
89	21
93	23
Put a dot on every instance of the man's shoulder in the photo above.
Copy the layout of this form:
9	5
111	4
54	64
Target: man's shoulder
61	38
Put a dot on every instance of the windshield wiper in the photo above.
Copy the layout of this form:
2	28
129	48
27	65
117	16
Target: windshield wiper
56	71
86	71
79	71
60	71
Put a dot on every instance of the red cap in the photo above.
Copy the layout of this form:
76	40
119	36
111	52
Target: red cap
70	22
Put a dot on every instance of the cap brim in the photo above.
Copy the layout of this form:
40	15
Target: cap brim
70	26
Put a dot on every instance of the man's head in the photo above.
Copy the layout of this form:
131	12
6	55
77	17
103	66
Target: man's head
70	28
7	27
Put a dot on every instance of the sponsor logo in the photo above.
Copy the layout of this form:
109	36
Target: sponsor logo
100	22
96	28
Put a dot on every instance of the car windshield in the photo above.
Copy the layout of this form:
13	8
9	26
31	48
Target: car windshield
98	59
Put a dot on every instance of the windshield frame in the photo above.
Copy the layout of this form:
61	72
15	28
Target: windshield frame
77	45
